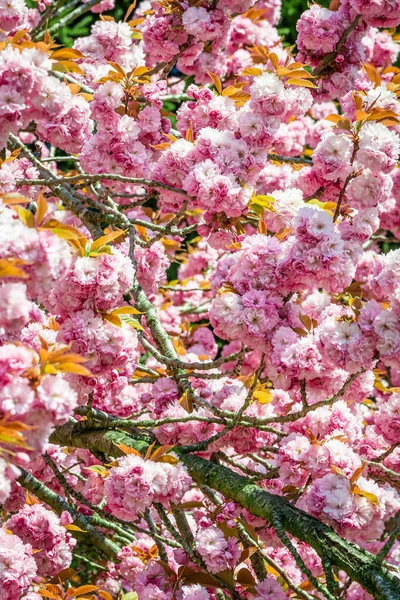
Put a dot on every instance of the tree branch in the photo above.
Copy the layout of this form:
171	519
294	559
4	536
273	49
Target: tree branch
360	565
59	505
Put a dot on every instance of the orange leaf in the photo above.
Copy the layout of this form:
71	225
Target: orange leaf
245	578
314	441
357	473
271	570
105	595
334	118
69	357
126	310
262	228
160	451
140	71
240	98
66	54
72	367
85	589
186	402
189	134
283	233
130	10
105	239
297	73
75	88
162	146
389	122
188	505
338	471
306	585
149	450
216	81
263	396
274	59
372	74
14	198
230	90
14	154
30	500
64	232
139	374
47	594
127	449
18	36
307	322
117	67
72	527
67	66
368	495
301	82
63	575
41	208
254	71
247	552
357	101
179	347
191	576
26	216
137	21
8	268
361	115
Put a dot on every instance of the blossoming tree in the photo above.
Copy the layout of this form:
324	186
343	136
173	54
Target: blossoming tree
200	302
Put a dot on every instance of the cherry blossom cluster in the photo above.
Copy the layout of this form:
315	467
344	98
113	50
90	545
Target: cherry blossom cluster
28	92
135	484
199	302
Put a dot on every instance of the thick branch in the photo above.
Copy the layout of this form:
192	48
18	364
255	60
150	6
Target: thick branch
360	565
105	441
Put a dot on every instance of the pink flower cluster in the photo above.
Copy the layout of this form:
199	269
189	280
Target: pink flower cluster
38	406
13	16
110	349
41	528
17	566
109	41
28	92
97	283
331	497
217	552
45	258
284	259
265	271
230	145
135	484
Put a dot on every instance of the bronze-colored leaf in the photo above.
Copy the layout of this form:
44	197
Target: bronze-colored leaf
245	578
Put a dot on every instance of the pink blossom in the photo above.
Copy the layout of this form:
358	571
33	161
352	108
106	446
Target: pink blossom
269	589
217	552
41	528
135	484
17	566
